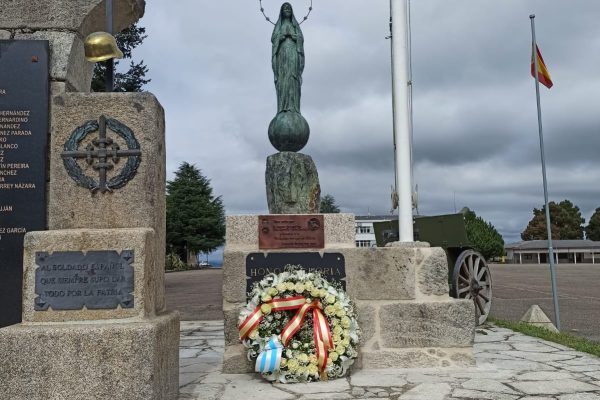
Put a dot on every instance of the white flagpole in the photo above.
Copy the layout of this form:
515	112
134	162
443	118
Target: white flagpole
401	104
543	156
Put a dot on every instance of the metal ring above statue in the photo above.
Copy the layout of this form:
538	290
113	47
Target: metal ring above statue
288	131
262	10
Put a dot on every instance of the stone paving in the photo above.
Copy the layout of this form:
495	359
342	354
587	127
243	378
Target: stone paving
510	366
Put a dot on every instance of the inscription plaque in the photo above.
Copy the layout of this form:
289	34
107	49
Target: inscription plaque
332	266
69	280
23	141
279	231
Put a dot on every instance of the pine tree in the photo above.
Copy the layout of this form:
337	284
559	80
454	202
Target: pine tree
134	79
483	236
328	205
195	218
566	220
592	231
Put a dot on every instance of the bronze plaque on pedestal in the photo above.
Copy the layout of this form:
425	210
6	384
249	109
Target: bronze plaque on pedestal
282	231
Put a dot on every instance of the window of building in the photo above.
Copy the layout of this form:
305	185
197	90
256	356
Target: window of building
363	229
363	243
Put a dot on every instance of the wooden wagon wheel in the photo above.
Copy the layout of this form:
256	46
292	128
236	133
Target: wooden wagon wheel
471	279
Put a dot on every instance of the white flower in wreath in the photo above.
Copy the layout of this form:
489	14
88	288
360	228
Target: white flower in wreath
298	361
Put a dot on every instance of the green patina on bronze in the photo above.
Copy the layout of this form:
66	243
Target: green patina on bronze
292	184
288	131
292	179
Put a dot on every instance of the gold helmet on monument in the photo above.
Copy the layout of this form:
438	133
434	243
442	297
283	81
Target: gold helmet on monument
101	46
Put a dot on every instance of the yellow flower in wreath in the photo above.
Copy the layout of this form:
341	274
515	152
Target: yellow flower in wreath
333	356
329	310
289	286
303	358
302	370
265	298
330	299
292	365
281	287
345	322
266	308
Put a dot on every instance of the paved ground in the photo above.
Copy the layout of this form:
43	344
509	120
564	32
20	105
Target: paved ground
510	366
195	294
517	287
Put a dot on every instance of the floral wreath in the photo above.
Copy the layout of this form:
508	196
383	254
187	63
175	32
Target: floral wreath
299	327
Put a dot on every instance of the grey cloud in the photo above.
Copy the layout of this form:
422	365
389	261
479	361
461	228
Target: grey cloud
475	118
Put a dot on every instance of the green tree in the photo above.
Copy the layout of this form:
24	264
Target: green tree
565	217
592	231
133	79
328	205
483	236
195	218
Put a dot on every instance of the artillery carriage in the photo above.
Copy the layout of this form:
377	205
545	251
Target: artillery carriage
469	276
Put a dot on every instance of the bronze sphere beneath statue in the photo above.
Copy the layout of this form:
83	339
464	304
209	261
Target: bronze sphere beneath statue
289	131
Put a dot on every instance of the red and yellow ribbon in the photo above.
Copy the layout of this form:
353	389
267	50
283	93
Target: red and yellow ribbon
321	331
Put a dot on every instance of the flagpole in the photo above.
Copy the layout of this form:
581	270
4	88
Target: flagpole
401	117
543	156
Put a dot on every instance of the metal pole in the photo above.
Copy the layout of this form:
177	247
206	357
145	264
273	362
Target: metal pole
110	66
401	111
543	156
410	101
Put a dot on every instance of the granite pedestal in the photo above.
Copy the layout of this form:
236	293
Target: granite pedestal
83	337
405	313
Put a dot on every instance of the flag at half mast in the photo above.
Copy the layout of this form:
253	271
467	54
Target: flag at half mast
543	74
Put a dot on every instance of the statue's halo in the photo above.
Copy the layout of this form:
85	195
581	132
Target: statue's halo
262	10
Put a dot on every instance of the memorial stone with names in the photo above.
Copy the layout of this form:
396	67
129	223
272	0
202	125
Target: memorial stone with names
24	86
107	336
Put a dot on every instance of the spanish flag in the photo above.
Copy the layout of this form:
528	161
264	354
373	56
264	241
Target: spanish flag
543	74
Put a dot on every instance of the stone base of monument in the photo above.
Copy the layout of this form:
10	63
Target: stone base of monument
405	313
91	327
117	359
292	183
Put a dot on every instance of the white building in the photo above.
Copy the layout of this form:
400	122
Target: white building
365	234
565	251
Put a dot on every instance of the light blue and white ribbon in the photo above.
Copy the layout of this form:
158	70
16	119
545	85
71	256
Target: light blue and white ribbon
269	359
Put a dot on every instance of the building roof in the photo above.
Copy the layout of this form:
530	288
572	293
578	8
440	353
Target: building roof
557	244
388	217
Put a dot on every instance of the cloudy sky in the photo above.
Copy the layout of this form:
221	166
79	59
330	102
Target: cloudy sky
475	125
